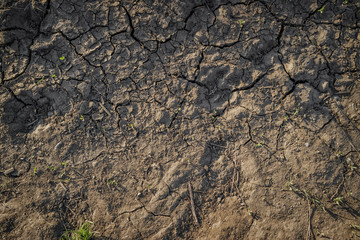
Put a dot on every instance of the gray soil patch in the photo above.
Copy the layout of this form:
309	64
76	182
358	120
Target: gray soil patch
108	109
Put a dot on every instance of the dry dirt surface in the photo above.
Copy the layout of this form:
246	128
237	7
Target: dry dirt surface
180	119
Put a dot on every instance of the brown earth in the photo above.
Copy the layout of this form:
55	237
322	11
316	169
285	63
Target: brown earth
109	109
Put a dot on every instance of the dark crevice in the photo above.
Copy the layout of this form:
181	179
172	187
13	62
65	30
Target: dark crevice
131	211
249	133
15	29
248	87
132	29
15	97
36	35
191	13
280	34
322	6
176	113
325	124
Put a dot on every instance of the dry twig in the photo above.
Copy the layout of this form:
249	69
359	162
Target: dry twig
309	226
192	204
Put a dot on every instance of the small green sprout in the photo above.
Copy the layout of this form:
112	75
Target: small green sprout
62	58
63	163
315	201
53	76
307	195
339	200
83	233
35	171
61	175
321	10
82	117
50	168
241	22
289	184
214	114
38	82
249	211
112	182
296	112
345	2
323	208
320	233
356	227
258	145
353	167
286	117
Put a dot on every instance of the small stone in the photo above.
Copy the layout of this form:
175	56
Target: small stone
139	195
323	86
97	117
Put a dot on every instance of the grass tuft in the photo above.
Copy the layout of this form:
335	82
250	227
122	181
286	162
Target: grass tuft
83	233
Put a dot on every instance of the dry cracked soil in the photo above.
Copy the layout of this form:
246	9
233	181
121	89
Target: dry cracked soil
180	119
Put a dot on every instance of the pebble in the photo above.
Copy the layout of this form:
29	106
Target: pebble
323	86
97	117
139	195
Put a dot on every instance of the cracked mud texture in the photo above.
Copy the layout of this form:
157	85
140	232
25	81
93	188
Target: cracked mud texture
109	108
